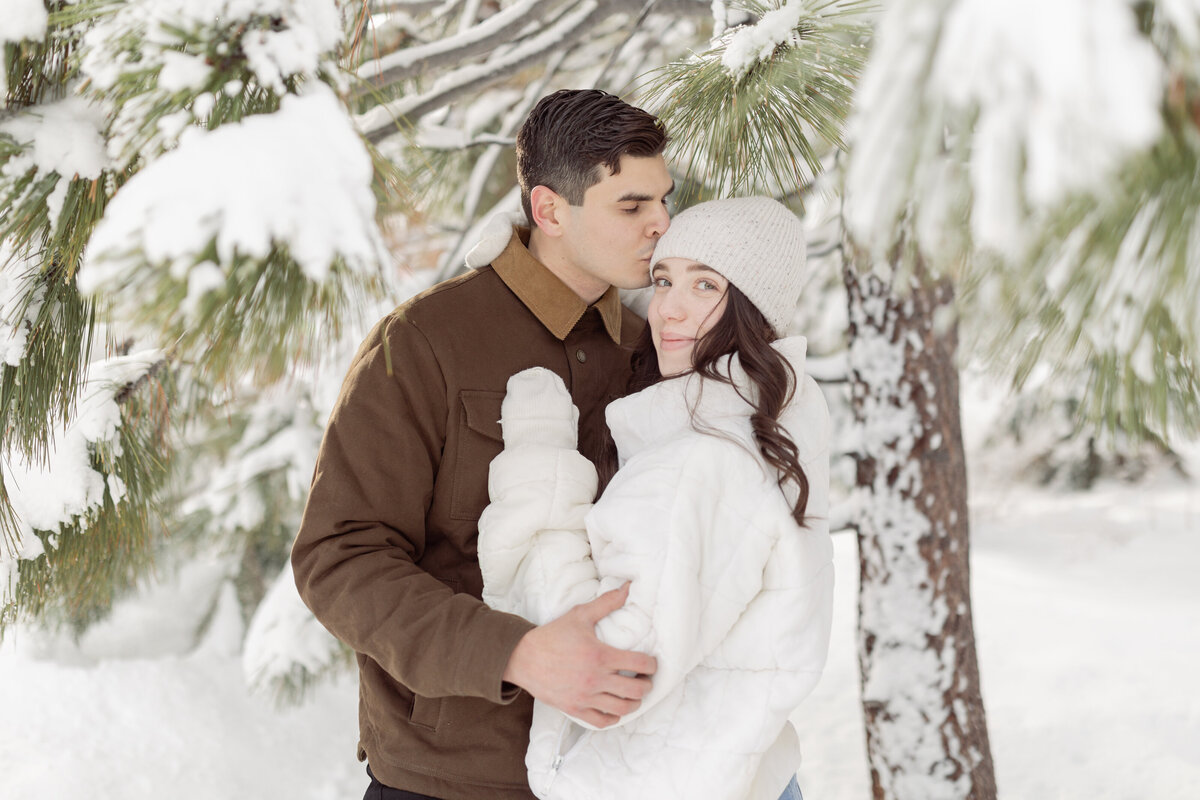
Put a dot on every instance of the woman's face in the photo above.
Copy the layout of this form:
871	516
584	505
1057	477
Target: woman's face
688	300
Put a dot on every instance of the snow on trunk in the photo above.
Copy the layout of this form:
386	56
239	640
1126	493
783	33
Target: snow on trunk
926	733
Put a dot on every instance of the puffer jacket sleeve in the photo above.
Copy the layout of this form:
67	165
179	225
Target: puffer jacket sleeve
533	547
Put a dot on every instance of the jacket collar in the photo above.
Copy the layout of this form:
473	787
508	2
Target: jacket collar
551	300
662	411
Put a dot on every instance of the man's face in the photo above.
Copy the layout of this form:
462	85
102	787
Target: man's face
612	235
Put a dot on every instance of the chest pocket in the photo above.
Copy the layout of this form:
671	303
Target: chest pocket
479	441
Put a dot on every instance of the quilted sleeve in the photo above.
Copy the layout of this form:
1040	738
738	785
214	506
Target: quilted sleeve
533	547
691	529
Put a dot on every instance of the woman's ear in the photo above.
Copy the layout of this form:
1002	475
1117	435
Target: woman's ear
548	208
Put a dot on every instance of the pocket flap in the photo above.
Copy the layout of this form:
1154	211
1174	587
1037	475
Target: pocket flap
482	408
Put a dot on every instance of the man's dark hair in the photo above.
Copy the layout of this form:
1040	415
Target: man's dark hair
570	134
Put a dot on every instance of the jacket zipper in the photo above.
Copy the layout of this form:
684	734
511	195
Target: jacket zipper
559	756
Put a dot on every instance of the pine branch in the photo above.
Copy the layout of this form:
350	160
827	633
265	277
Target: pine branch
40	391
756	129
102	552
576	22
1109	295
496	30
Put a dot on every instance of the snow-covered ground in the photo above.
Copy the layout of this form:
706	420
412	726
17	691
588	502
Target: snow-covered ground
1087	615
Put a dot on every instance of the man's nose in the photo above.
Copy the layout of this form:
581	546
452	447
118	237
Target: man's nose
660	223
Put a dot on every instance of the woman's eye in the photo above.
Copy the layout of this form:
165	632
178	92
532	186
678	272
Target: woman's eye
661	283
707	286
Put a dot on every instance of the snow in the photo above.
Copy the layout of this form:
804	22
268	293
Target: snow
62	137
301	33
753	43
14	327
1184	17
502	62
1057	107
1086	611
65	488
181	71
23	19
282	435
482	36
284	636
300	177
275	40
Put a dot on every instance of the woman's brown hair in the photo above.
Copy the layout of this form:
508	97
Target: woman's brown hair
743	329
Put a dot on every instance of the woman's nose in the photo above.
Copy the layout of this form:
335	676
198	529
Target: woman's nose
670	308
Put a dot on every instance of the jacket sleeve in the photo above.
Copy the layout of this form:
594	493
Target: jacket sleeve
363	530
533	546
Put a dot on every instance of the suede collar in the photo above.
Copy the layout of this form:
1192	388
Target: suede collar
551	300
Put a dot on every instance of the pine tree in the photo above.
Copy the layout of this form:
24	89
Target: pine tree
151	262
152	372
1048	206
203	189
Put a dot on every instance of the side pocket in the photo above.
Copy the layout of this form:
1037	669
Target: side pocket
426	711
479	441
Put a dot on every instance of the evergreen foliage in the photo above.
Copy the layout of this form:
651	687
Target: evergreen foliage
139	80
102	551
745	119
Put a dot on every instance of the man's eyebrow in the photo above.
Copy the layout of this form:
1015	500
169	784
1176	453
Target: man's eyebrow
641	197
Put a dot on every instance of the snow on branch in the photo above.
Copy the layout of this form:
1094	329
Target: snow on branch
278	446
236	242
579	20
495	30
753	43
299	177
23	19
285	646
18	307
379	122
996	110
165	65
51	144
68	488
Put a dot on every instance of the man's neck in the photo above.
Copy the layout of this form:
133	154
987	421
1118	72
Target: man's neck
587	287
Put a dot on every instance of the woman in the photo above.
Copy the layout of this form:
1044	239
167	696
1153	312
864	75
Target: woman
716	518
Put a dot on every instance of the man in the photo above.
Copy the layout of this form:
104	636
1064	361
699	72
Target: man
385	556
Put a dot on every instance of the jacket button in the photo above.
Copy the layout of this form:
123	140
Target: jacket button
580	355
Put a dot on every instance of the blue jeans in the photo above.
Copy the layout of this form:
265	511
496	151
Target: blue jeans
792	792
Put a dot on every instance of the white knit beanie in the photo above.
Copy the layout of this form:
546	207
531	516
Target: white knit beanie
755	242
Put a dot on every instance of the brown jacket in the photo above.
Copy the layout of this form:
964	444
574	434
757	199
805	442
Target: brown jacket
385	556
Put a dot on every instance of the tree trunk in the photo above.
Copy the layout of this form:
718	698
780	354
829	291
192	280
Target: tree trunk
926	733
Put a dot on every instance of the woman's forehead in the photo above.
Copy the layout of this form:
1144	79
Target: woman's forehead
678	264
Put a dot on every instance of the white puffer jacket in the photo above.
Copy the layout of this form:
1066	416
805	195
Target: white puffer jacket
727	592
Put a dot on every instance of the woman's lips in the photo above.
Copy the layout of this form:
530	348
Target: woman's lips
676	342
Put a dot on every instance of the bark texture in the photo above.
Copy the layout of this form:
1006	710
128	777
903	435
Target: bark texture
926	731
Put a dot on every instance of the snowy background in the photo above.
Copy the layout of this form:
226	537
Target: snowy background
1085	604
1087	615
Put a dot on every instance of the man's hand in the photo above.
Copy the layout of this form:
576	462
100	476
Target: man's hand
564	665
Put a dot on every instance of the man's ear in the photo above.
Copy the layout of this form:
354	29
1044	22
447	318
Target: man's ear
549	208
